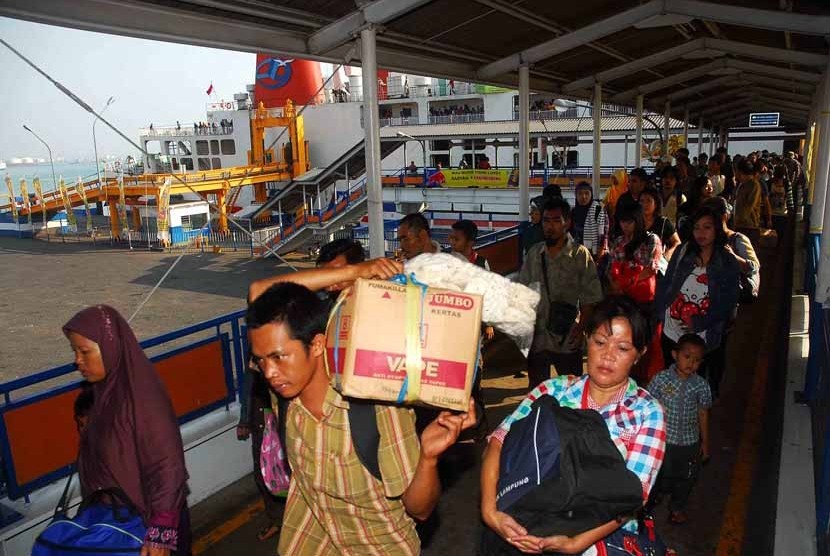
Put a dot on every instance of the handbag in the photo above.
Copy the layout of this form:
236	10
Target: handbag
626	276
748	290
561	315
272	457
106	523
646	542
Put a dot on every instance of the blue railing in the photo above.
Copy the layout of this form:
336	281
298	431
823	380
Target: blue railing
16	393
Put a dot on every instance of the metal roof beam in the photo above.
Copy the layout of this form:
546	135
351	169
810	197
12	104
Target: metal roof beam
773	93
582	36
634	66
783	104
694	89
803	24
781	84
767	52
347	27
652	86
774	71
713	99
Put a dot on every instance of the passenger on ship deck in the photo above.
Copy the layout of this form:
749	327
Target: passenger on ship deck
618	333
335	506
132	439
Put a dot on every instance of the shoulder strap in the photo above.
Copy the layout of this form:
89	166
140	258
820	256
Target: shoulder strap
282	416
63	502
597	210
545	274
363	425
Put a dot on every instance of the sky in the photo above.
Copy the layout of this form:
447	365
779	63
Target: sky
152	82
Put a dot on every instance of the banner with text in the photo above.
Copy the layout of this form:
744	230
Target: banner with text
473	178
24	192
82	192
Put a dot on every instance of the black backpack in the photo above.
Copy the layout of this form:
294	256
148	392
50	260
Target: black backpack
363	425
592	485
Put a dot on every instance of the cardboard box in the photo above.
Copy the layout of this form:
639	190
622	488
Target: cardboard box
368	334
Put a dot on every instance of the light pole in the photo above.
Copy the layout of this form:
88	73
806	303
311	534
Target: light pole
95	143
51	163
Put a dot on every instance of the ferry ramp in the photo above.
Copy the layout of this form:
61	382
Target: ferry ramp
733	509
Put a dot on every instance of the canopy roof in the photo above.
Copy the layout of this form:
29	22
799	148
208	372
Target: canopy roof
721	59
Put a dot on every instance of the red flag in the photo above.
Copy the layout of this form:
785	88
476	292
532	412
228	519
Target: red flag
210	89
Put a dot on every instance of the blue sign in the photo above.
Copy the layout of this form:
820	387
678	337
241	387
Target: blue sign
274	73
764	119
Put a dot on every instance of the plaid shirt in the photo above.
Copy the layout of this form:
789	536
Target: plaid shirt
682	400
634	420
335	506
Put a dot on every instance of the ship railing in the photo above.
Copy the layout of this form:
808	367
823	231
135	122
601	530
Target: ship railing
389	122
186	130
456	119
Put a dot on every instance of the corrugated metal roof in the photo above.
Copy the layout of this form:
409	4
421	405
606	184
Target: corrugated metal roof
563	126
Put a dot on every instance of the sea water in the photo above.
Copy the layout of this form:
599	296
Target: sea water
69	171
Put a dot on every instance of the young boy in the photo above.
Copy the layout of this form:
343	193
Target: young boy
335	506
463	238
686	398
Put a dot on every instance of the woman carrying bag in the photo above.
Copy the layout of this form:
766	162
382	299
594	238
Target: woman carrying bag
131	442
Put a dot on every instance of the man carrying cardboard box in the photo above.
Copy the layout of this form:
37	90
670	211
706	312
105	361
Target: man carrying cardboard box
335	506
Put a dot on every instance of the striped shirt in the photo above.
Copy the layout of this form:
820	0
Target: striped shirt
634	419
335	506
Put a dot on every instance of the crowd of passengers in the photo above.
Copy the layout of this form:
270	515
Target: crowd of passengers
639	292
456	110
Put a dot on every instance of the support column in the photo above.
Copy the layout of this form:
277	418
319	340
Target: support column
822	173
666	129
638	138
686	128
699	137
524	143
115	226
221	198
625	150
597	166
136	214
711	141
372	130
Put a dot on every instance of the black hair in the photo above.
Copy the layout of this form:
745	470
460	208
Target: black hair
696	191
640	173
84	401
304	313
746	167
621	306
552	190
668	170
717	160
416	222
693	339
658	201
633	212
557	203
352	250
718	204
721	238
468	228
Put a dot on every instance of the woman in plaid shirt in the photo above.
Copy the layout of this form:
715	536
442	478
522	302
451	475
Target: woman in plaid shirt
617	336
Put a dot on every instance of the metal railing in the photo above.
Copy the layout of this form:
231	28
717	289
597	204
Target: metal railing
186	130
456	119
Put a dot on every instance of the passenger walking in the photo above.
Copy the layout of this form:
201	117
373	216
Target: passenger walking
462	241
686	399
701	190
671	196
132	440
589	222
618	333
335	506
637	182
781	200
569	287
739	246
531	232
659	225
699	293
415	236
619	186
747	197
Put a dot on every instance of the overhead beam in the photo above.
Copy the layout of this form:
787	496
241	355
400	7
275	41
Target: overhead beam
774	20
582	36
714	99
774	71
347	27
782	84
652	86
634	66
767	52
693	90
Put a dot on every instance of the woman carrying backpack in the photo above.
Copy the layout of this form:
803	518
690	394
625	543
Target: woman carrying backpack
618	333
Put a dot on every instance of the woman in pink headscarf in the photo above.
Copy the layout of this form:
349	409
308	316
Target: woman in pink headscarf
132	440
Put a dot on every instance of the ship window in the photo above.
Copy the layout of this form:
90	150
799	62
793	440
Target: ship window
186	162
214	147
204	163
193	221
202	147
228	146
440	145
217	163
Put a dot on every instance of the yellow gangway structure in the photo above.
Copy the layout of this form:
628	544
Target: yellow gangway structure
262	168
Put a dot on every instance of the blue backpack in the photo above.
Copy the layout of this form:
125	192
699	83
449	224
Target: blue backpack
530	454
99	528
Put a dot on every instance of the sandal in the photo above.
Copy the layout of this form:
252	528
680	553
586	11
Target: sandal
267	532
